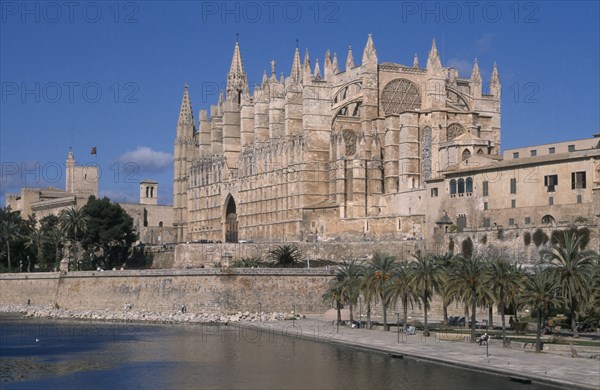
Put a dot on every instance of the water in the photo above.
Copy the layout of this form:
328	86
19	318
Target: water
47	354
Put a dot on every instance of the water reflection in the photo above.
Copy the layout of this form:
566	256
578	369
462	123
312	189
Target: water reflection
91	355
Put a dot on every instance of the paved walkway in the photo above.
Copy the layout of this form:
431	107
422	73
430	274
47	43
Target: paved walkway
544	367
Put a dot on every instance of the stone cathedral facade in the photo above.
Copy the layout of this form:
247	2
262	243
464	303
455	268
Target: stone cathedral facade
332	151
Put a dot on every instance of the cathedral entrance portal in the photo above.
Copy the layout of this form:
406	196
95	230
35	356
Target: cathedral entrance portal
231	222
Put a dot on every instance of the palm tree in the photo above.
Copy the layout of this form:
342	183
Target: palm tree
285	255
35	238
401	289
542	290
465	279
73	223
348	279
55	237
501	278
334	295
365	288
382	268
426	276
445	263
9	230
572	267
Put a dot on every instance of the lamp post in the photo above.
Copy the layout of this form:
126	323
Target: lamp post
259	311
398	325
487	342
360	298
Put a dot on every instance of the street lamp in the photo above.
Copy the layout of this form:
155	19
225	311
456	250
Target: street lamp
360	298
398	325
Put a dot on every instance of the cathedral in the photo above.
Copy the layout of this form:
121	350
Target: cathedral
330	152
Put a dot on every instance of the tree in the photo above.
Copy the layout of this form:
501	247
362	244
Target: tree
334	295
55	237
10	231
348	279
380	278
445	264
502	278
465	279
541	292
426	276
110	229
286	255
74	223
35	239
401	289
572	268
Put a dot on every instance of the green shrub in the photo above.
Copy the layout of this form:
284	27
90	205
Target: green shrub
527	238
539	237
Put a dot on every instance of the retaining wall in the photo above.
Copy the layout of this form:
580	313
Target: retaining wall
203	290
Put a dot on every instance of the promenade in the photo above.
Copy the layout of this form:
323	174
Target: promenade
549	368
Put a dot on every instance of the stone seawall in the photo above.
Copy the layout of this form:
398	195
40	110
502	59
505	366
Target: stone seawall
209	290
202	290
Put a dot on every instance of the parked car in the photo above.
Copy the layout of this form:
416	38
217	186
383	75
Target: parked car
456	321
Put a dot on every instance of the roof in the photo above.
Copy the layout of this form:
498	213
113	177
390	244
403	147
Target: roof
445	220
537	160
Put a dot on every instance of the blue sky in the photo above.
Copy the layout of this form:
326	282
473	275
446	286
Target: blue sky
111	74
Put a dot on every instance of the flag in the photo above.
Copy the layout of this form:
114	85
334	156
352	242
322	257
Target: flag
94	150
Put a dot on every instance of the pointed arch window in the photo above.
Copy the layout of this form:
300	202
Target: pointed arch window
466	154
461	186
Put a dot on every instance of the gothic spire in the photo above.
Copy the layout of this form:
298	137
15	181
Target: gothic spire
416	61
433	61
264	78
186	114
475	75
349	59
495	82
369	53
307	69
236	79
327	68
273	74
296	73
317	70
335	67
70	155
495	77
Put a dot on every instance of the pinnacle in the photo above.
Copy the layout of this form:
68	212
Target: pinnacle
369	53
236	79
349	59
186	114
296	72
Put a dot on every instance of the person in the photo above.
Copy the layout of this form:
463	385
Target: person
511	321
483	338
410	329
183	308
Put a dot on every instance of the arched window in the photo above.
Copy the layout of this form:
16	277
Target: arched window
469	184
452	187
160	224
466	154
548	219
461	186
